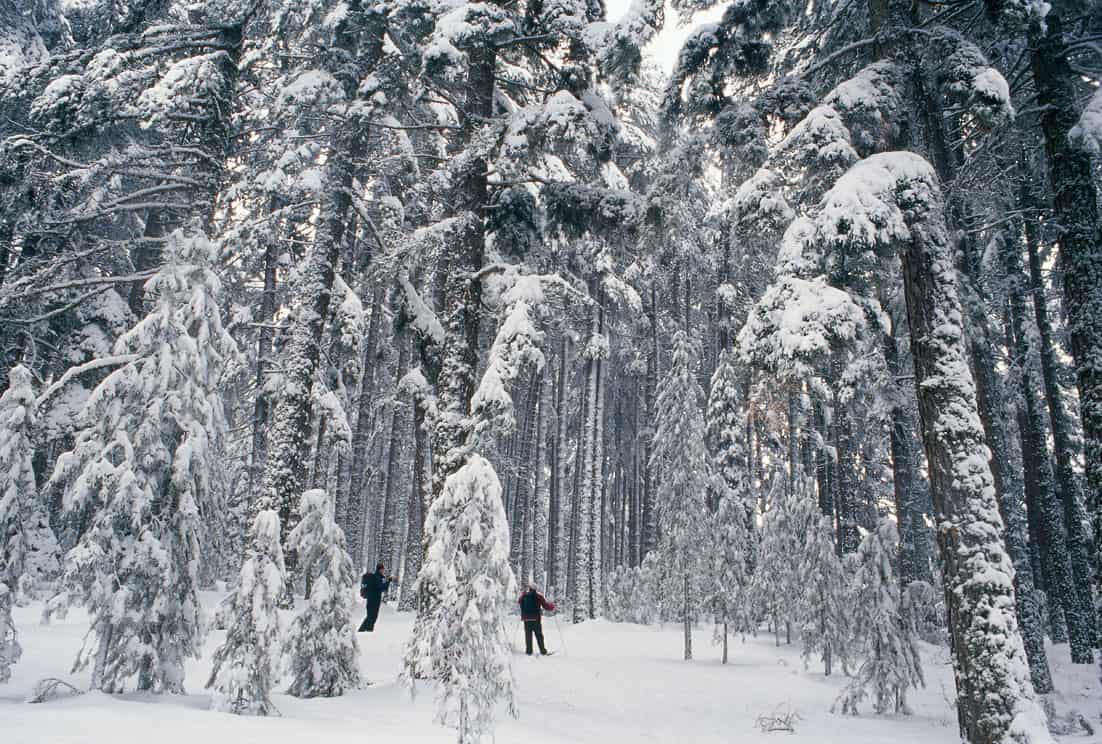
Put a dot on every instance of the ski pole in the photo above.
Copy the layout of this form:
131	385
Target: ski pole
562	639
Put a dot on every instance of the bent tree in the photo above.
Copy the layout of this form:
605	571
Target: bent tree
890	204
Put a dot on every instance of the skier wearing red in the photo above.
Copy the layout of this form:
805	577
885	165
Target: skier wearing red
532	604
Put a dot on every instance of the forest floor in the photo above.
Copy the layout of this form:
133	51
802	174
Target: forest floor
606	683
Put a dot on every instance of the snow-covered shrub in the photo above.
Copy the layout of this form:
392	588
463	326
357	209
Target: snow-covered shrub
923	608
824	608
628	596
461	642
137	481
245	665
729	563
885	641
323	653
682	471
776	586
10	651
28	548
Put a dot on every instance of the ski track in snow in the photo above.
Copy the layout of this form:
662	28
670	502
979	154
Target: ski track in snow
609	683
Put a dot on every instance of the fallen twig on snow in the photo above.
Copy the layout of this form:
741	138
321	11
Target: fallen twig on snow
782	718
47	689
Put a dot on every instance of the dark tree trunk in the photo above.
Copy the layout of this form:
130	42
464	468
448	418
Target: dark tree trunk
261	402
389	526
846	478
986	643
823	466
284	471
650	517
522	525
1075	208
558	475
351	498
419	499
1046	508
1079	542
462	290
907	483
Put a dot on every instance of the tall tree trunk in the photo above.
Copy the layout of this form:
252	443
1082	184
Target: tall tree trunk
597	483
462	288
845	467
539	518
351	499
284	472
988	651
1063	425
419	499
558	475
520	537
914	559
261	402
1075	209
687	618
824	469
1038	467
650	516
585	497
389	527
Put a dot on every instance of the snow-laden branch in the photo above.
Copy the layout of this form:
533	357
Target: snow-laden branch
422	317
116	360
89	282
516	345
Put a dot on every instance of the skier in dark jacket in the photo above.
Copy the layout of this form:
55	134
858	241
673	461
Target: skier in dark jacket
532	604
372	588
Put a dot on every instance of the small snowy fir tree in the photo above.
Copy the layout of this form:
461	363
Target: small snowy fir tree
730	575
726	433
461	642
891	663
629	594
776	584
138	475
732	555
680	462
245	665
324	655
10	650
824	610
28	548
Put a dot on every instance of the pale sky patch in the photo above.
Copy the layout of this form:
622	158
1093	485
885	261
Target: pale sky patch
665	47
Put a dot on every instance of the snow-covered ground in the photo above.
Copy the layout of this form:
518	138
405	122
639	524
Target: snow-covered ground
607	683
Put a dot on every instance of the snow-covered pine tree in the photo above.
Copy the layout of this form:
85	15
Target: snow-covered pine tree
28	547
776	586
10	650
324	656
823	610
680	462
246	665
729	572
140	472
1071	156
354	36
734	545
887	643
726	436
462	642
893	201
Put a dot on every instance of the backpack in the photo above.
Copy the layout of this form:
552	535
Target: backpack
363	585
530	605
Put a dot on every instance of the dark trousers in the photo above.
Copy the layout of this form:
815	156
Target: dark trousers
372	615
533	627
